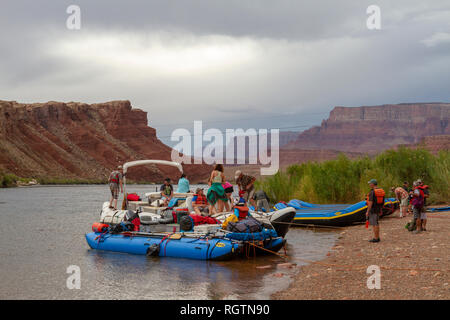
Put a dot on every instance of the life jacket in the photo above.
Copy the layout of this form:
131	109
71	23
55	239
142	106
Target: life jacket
200	199
114	177
133	197
241	212
379	196
99	227
418	201
136	223
422	188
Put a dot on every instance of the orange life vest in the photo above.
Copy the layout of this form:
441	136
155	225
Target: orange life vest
379	196
242	212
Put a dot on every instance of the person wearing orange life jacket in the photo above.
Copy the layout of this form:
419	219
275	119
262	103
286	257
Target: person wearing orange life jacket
375	203
200	202
115	180
426	194
418	201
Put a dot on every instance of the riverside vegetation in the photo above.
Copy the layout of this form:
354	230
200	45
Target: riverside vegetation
345	181
8	180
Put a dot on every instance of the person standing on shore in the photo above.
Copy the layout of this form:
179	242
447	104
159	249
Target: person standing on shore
417	206
408	189
402	196
115	180
374	206
423	214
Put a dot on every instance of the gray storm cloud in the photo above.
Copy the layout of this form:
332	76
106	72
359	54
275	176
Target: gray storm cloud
226	62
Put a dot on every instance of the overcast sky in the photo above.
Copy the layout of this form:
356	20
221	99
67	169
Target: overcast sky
249	64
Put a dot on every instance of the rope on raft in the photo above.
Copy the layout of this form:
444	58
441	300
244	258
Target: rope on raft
262	248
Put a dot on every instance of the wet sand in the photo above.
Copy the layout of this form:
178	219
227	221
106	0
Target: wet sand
413	266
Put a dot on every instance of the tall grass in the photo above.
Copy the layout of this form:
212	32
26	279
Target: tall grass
8	180
345	181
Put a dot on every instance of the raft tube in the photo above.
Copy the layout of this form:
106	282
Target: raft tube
335	215
185	247
189	248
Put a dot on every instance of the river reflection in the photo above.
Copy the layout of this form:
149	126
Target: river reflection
42	233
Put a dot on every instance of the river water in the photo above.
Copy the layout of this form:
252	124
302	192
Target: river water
42	233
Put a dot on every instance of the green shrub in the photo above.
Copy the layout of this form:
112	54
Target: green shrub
8	180
345	181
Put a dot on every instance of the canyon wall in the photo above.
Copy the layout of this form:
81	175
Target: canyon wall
376	128
82	141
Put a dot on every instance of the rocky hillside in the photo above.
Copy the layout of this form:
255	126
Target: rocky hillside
377	128
434	144
82	141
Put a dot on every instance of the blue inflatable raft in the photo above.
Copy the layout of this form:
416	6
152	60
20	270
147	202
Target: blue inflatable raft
200	248
334	214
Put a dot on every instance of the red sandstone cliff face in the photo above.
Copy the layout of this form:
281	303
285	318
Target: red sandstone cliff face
377	128
77	140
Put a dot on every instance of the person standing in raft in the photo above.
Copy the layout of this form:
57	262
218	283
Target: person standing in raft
115	180
228	187
246	184
166	192
216	192
375	202
183	184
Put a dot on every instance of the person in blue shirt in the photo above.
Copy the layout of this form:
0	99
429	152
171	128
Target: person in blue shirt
183	184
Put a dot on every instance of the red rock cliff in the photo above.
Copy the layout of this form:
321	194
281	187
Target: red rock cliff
377	128
78	140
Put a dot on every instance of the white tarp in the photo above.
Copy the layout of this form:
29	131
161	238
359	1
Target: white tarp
142	162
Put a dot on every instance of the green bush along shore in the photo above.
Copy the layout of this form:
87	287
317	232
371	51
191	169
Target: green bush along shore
345	181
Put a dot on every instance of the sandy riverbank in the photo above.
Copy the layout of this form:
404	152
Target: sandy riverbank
413	266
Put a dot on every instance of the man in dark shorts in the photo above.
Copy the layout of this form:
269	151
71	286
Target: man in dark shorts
373	211
115	180
246	184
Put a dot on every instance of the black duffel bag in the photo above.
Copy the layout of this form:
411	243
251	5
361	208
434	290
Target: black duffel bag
122	227
248	225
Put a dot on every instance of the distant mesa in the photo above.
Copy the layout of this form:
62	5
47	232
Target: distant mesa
376	128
